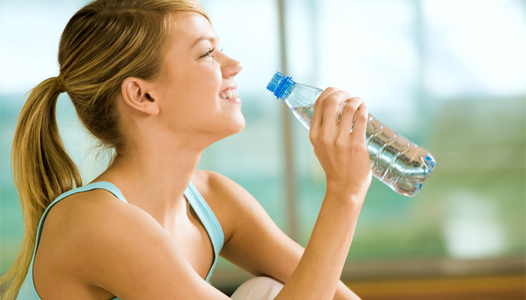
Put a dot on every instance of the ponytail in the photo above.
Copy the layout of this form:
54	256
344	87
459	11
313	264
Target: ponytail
104	43
42	171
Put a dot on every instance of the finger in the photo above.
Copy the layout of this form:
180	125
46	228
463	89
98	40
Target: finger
360	124
331	107
317	114
348	115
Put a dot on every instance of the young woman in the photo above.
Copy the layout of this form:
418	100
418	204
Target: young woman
146	78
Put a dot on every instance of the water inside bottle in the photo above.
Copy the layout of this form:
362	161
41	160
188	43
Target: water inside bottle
396	161
304	114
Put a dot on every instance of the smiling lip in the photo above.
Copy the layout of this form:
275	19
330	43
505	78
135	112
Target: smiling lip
229	88
230	94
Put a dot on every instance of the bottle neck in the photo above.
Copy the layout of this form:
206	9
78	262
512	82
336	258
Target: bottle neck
288	91
301	95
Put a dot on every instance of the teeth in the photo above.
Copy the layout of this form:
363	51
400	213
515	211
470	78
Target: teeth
229	94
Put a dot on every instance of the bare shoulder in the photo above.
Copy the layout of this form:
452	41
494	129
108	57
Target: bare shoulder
79	215
123	250
98	210
212	183
255	243
94	224
229	201
219	190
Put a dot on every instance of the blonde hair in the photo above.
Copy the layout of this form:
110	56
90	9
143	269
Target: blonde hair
104	43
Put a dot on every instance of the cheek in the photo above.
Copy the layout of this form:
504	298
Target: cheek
193	95
213	73
216	79
200	86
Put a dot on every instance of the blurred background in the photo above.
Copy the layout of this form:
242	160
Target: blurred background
450	75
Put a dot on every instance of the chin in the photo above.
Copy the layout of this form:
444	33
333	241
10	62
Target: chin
234	127
224	132
238	125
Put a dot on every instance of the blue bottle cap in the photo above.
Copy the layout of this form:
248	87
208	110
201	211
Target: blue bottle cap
279	84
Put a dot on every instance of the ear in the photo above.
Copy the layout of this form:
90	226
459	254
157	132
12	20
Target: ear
136	95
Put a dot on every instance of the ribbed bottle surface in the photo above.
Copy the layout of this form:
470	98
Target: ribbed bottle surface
395	161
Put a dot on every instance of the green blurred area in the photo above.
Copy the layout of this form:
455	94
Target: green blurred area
479	147
473	205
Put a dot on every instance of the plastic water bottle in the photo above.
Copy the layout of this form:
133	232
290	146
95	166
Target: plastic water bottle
395	161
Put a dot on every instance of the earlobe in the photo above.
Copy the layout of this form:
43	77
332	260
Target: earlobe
135	95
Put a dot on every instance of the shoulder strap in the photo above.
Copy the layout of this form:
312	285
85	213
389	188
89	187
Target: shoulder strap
209	220
104	185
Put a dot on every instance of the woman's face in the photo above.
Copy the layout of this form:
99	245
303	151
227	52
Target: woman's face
196	89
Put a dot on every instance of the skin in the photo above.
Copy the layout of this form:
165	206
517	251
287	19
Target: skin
94	246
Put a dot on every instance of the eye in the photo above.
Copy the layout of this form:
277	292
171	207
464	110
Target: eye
209	53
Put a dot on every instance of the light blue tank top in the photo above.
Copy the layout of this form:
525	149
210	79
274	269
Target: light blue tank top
203	211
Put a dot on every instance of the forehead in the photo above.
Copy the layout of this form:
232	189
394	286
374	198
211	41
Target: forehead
187	27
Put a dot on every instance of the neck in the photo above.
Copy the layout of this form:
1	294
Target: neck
154	176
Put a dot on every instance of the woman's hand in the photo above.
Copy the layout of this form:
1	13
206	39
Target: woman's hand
339	146
344	157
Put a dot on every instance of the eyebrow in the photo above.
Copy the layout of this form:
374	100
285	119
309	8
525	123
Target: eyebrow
204	38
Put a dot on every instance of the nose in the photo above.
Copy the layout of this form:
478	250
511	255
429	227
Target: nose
230	67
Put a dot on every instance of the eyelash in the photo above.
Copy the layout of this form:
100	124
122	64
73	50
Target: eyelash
209	52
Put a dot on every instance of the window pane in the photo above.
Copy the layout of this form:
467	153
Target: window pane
253	158
436	71
443	76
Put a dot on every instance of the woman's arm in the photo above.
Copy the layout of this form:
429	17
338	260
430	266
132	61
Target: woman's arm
259	247
344	157
121	249
253	241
